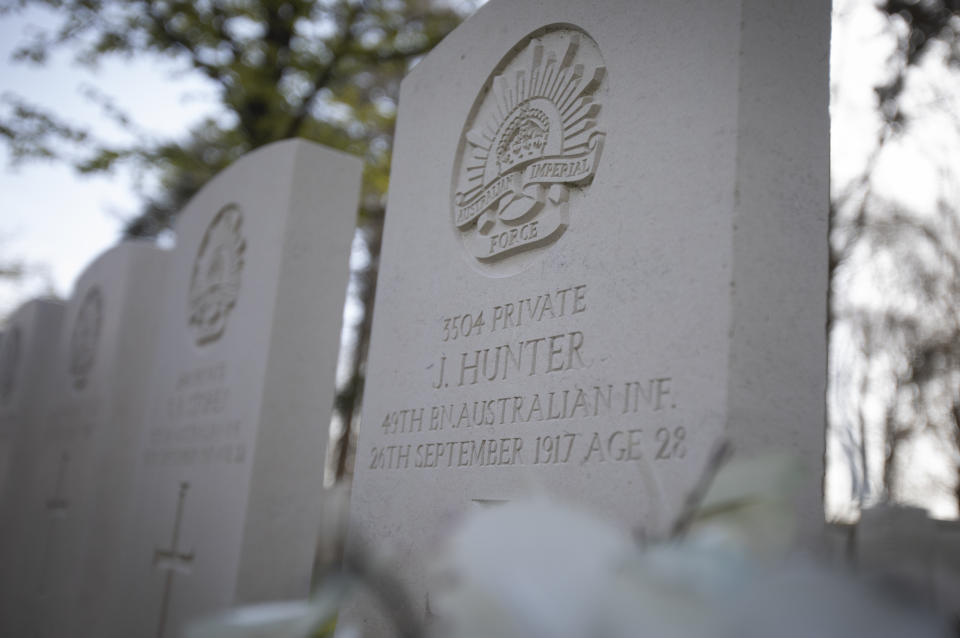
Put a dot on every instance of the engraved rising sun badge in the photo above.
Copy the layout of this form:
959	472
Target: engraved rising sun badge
531	138
85	337
215	284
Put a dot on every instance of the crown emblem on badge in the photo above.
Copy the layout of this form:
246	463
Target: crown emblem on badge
525	138
85	337
215	283
533	135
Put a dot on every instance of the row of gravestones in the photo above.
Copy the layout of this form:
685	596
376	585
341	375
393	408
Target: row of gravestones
605	252
165	428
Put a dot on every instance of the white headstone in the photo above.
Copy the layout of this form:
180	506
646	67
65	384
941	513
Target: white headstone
84	467
28	352
605	250
231	459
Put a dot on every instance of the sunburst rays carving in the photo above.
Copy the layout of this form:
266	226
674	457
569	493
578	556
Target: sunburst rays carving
550	80
534	134
215	283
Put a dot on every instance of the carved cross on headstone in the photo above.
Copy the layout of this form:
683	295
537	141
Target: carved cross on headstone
172	559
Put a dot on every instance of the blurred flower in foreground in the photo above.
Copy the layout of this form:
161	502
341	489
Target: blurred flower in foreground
543	570
539	570
295	619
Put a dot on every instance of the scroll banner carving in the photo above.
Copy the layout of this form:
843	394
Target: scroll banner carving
533	135
572	169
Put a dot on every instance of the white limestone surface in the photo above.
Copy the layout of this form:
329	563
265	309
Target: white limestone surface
231	455
28	354
85	462
605	251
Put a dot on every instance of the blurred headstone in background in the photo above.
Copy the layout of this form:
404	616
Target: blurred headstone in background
28	356
85	466
231	454
915	556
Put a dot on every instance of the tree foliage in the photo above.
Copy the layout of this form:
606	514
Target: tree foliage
324	70
923	25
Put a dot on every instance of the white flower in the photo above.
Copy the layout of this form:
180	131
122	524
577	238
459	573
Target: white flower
527	569
541	570
288	619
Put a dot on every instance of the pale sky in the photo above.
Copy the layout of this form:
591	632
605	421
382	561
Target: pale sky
53	219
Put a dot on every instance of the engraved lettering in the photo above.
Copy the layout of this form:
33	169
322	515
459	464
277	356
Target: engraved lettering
617	446
562	352
549	305
653	394
440	382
